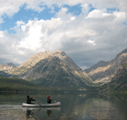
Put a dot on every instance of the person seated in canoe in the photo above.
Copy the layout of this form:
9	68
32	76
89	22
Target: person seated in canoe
49	100
28	101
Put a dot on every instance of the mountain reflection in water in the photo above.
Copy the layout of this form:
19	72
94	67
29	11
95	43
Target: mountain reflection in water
88	106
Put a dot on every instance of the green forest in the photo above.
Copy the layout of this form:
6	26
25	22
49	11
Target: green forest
19	85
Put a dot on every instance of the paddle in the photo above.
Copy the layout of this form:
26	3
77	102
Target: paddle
37	102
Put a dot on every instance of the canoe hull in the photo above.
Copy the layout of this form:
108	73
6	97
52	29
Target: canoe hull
42	105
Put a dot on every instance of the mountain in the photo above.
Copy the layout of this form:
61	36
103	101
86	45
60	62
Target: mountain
54	69
103	72
7	66
118	82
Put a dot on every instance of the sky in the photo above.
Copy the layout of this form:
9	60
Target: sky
88	31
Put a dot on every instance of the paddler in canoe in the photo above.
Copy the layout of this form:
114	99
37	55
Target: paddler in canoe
49	100
28	100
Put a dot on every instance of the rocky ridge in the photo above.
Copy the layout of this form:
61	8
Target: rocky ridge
118	82
104	71
7	66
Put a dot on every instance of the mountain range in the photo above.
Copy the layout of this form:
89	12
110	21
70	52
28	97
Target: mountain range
56	69
112	75
103	72
118	83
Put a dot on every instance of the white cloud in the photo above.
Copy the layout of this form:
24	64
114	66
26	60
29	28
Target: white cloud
96	14
91	42
39	34
85	9
120	16
87	38
63	15
73	18
19	23
32	40
36	5
1	34
83	67
10	7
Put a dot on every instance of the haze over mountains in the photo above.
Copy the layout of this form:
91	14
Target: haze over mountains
56	69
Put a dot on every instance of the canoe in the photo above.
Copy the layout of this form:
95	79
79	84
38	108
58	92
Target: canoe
42	108
42	105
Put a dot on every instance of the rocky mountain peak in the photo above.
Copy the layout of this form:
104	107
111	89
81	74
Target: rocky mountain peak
33	60
7	66
99	64
58	53
66	59
104	71
124	51
52	69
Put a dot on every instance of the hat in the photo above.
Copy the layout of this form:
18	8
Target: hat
48	96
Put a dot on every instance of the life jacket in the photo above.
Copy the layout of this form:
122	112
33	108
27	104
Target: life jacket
28	101
49	100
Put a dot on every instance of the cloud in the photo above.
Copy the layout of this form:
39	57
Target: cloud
91	36
19	23
74	37
36	5
91	42
32	36
10	7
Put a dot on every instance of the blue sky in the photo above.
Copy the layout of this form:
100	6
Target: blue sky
88	31
27	14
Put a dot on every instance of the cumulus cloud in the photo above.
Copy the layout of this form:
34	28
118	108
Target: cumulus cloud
10	7
91	42
87	38
76	37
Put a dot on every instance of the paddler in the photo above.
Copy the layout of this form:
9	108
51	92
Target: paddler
28	101
49	100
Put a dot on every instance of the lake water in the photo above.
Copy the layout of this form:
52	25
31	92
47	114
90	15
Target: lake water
83	106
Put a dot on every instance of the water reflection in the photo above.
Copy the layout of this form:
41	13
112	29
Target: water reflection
32	114
73	107
28	113
35	112
49	112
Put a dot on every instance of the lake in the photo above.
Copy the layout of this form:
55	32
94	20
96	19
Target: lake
74	106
